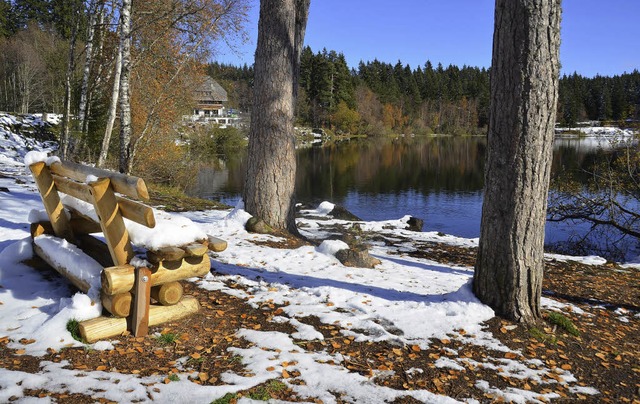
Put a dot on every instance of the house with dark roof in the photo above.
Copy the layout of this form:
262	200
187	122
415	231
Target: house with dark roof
210	107
210	98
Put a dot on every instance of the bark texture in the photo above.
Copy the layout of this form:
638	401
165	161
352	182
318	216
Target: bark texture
125	100
524	93
271	169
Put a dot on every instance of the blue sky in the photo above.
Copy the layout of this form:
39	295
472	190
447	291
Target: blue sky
598	36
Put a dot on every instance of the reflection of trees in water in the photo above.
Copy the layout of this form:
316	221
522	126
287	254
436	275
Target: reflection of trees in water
383	165
392	166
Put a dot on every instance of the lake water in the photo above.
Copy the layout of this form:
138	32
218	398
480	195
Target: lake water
438	179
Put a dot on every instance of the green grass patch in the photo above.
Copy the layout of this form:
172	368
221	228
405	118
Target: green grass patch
73	326
226	399
174	377
543	337
168	338
563	322
264	392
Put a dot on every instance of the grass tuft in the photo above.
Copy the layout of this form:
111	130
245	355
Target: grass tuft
168	338
73	326
563	322
226	399
542	336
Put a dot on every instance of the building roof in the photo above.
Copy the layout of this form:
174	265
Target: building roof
210	90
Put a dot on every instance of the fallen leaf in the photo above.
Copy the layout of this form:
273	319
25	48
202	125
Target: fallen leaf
415	348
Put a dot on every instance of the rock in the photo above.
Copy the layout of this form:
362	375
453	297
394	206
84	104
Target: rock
357	257
341	213
414	224
255	225
4	189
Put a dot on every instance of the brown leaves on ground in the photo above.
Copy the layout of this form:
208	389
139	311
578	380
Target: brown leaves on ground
604	355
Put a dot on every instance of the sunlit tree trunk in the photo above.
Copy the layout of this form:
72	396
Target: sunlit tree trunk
271	170
86	70
524	94
113	106
125	100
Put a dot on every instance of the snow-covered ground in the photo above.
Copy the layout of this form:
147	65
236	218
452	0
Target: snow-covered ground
403	300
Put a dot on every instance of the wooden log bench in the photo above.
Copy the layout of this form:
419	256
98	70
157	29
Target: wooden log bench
135	293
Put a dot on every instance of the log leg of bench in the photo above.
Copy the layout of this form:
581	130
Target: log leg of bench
141	300
51	200
167	294
105	327
113	227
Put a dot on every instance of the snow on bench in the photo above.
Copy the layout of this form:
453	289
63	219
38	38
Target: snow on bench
93	200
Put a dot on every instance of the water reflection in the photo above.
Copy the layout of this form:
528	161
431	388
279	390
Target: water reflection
438	179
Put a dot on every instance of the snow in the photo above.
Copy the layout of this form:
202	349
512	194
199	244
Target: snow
403	300
170	230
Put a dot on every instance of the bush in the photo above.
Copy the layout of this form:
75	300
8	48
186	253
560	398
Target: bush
209	141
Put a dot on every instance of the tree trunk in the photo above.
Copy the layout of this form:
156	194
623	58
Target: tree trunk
113	105
524	94
271	169
125	101
71	66
87	66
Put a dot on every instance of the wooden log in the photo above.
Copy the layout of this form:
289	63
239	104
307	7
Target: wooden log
40	228
216	244
137	212
81	224
51	200
194	249
105	327
167	294
121	278
106	206
122	183
82	284
119	305
117	279
165	254
132	210
142	298
95	248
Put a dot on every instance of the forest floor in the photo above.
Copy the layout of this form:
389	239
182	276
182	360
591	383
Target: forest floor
603	351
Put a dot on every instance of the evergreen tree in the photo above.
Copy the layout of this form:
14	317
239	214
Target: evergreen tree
8	19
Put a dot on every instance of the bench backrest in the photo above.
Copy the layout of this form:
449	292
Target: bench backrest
97	187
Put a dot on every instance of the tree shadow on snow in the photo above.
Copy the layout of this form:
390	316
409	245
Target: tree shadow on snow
463	294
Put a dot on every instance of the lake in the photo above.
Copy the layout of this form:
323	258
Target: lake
436	178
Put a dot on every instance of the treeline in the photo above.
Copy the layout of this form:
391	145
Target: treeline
380	98
600	98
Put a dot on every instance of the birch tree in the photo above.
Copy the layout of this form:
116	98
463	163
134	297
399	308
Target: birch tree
113	104
125	73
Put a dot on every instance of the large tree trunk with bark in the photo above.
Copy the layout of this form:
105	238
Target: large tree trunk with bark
524	93
125	100
271	169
